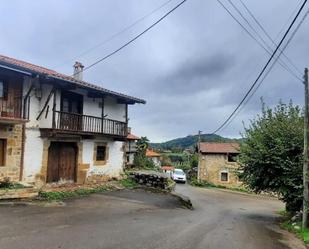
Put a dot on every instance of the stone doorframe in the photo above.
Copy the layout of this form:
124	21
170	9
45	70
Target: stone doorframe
81	170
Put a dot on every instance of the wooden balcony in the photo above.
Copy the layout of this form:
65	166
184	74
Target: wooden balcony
10	112
79	124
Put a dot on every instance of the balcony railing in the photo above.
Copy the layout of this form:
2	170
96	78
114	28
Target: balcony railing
88	124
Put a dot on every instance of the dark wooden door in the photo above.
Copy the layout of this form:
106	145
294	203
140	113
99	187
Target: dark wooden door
2	152
61	162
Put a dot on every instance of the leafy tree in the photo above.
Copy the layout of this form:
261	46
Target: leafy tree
140	159
142	145
271	153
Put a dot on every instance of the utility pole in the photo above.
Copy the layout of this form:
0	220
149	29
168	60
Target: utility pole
305	167
199	155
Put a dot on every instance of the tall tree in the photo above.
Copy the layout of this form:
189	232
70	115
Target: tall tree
271	153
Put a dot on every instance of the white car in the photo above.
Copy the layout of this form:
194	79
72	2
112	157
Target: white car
179	176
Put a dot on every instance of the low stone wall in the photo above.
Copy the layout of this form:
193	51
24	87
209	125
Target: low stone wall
22	193
151	179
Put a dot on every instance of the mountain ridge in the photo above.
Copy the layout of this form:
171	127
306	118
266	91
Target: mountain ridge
189	141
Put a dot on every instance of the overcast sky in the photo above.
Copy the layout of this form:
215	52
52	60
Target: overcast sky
192	69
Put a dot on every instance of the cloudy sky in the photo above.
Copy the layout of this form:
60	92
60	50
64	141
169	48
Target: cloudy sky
192	69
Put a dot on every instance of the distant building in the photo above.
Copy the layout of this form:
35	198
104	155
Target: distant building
217	163
131	147
168	170
154	156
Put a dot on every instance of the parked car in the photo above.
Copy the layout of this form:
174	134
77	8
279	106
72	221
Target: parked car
179	176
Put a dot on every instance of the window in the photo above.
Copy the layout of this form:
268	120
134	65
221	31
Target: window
231	157
3	89
2	152
224	176
101	153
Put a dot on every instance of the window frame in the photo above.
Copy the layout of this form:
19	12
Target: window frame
3	160
100	162
227	176
103	156
4	89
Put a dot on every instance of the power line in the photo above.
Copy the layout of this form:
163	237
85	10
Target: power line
117	33
281	52
263	70
136	37
267	34
258	42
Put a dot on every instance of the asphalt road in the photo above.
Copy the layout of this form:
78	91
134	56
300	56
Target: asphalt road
144	220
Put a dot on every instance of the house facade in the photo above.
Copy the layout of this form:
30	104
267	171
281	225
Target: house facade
155	157
217	164
54	127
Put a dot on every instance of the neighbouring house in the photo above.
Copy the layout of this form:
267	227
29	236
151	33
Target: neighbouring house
168	170
154	156
131	148
217	163
55	127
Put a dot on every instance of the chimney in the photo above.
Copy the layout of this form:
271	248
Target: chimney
129	130
78	71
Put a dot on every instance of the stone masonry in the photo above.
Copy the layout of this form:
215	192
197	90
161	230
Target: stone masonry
13	136
211	167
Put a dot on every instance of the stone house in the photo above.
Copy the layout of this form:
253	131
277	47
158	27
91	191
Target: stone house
217	163
154	156
55	127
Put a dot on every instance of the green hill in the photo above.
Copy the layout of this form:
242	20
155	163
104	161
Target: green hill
188	142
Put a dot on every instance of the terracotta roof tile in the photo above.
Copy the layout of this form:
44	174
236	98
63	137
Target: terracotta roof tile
132	137
219	148
7	61
151	153
167	167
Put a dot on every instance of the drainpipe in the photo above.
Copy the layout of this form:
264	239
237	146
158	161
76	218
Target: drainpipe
23	139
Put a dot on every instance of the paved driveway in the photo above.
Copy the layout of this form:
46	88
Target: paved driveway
141	220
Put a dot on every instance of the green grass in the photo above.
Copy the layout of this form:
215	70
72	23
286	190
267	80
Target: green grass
205	184
290	226
128	183
10	185
61	195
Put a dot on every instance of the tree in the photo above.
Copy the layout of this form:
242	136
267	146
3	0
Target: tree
271	154
142	145
140	159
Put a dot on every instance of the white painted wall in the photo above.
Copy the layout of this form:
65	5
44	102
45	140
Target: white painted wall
115	162
33	154
114	110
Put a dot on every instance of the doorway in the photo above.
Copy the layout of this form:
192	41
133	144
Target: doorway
62	162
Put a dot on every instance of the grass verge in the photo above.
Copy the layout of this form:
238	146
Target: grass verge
293	227
61	195
205	184
128	183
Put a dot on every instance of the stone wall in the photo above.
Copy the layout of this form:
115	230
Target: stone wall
13	136
211	167
149	179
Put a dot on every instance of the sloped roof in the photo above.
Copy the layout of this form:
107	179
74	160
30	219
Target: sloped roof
22	65
151	153
132	137
219	148
167	168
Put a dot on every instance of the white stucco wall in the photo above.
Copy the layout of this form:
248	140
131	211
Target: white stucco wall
33	154
113	110
115	162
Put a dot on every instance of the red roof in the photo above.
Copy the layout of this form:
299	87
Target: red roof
22	65
132	137
219	148
167	168
151	153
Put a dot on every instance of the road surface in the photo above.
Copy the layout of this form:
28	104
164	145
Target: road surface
137	219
